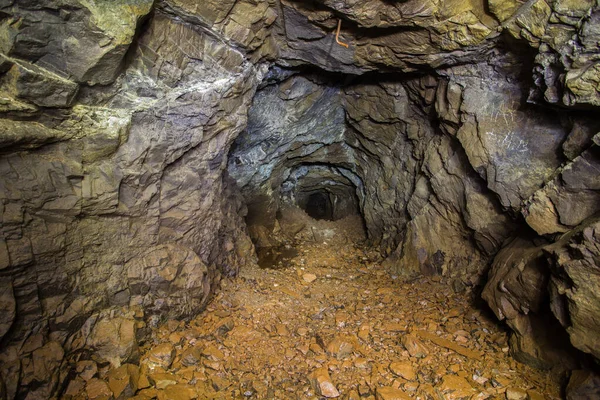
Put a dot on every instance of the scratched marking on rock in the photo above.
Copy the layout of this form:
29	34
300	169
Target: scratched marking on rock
510	141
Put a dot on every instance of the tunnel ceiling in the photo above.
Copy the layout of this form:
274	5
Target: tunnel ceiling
141	142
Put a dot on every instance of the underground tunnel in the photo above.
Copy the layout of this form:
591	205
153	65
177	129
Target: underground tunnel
299	200
323	192
318	205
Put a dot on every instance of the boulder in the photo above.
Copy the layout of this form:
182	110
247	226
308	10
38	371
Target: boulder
161	356
171	279
123	381
583	385
113	339
517	291
575	285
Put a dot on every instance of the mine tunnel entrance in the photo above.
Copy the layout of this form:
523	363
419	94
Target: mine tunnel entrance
301	180
329	203
318	205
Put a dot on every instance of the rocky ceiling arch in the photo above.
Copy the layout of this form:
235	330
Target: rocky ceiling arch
135	136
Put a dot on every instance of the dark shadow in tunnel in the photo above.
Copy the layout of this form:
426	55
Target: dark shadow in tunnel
318	206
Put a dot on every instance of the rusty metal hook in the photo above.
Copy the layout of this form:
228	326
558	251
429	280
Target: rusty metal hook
337	34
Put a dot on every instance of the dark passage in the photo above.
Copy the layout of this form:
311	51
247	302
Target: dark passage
318	206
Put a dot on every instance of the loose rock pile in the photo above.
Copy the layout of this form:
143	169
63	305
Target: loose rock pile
354	332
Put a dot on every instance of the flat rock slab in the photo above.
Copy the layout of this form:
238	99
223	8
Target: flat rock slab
463	351
390	393
403	369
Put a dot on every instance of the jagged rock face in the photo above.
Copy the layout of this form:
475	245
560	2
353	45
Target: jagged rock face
573	288
116	207
415	186
443	196
518	293
550	209
107	220
566	70
535	284
84	41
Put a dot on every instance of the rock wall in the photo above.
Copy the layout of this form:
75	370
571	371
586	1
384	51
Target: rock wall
116	209
521	168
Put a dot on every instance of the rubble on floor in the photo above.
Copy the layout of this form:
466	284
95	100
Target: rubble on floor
352	332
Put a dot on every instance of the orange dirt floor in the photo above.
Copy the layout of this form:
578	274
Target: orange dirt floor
330	323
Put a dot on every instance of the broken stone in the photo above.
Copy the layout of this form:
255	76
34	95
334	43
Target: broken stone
513	393
364	390
212	352
219	384
340	347
364	332
75	387
455	387
282	330
449	345
114	340
214	365
403	369
191	356
97	389
123	381
391	393
414	346
87	369
393	327
322	383
224	326
180	392
353	395
161	380
160	356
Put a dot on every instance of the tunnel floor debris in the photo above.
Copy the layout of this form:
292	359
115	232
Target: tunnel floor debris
331	324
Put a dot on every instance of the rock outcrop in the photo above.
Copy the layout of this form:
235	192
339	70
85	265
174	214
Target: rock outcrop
81	40
574	285
116	210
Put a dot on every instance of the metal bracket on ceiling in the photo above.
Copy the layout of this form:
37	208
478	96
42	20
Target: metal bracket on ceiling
337	35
